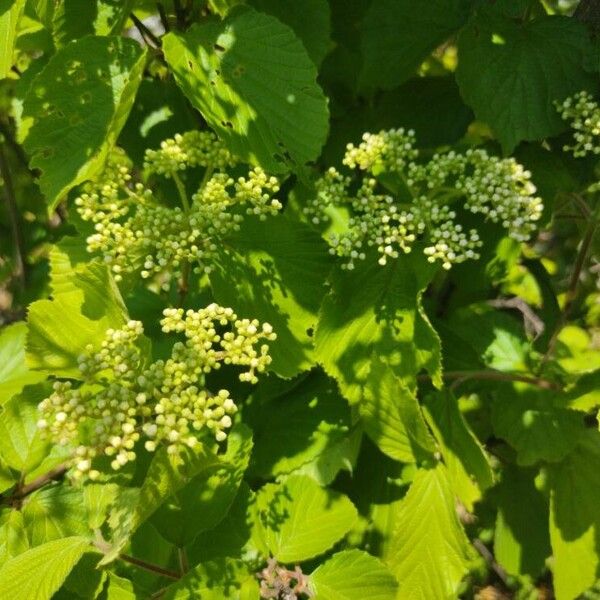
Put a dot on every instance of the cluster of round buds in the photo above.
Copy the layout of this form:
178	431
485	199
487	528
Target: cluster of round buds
135	233
386	151
188	150
498	189
583	114
122	400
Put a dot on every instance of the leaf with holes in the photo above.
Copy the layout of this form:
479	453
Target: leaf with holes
76	107
254	83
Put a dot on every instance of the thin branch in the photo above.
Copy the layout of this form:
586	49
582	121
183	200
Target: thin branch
13	214
43	480
163	16
144	31
491	561
491	375
23	490
571	292
152	568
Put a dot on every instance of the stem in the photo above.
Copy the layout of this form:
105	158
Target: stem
491	375
163	16
13	214
179	14
23	490
151	567
182	193
183	561
571	292
144	31
491	561
184	284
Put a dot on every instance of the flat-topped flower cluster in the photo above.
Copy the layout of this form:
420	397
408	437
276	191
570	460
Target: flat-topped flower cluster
396	200
134	232
123	400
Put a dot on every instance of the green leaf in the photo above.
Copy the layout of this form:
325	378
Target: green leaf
512	73
21	444
575	519
477	336
396	38
392	417
429	553
13	538
353	575
276	274
301	520
320	416
39	572
521	538
375	309
73	19
187	492
86	302
14	372
76	107
205	500
54	512
529	421
119	588
254	83
235	536
468	466
216	580
308	18
339	456
10	13
97	499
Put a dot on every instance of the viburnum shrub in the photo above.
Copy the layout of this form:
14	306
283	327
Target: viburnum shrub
299	299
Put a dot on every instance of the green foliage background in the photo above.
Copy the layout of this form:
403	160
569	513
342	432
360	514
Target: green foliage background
421	433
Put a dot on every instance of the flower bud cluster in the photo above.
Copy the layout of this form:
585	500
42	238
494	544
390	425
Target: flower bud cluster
583	114
136	233
123	400
422	207
188	150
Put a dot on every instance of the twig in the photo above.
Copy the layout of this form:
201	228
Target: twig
163	16
179	14
13	214
571	292
491	561
491	375
152	568
22	491
144	31
533	324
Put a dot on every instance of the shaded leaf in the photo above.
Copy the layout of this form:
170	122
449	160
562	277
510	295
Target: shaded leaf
396	38
76	107
392	417
374	309
512	73
575	519
277	274
300	519
469	470
254	83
